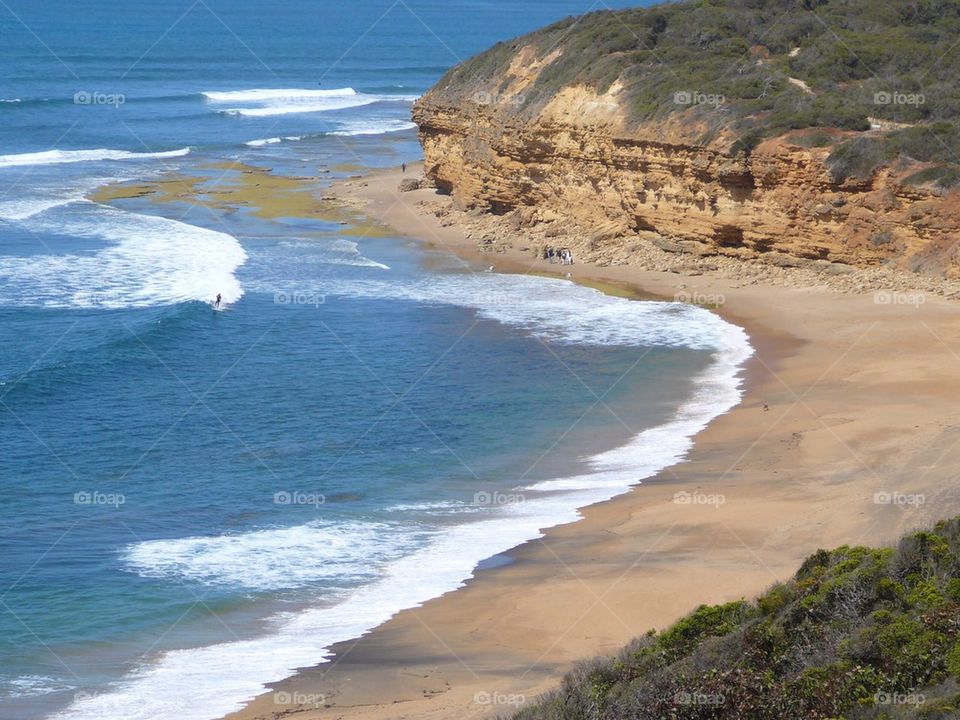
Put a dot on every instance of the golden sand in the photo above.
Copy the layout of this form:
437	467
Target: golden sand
846	399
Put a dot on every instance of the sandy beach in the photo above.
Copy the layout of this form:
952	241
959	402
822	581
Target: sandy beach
847	434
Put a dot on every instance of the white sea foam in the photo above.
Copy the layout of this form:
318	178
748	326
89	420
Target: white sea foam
277	558
338	251
267	102
55	157
554	310
446	507
211	681
144	261
303	107
40	199
206	683
26	686
282	95
27	207
373	127
359	261
272	141
263	141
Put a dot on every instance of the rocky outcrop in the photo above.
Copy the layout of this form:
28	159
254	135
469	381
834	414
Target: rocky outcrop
574	164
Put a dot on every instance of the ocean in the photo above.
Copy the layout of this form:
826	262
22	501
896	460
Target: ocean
198	500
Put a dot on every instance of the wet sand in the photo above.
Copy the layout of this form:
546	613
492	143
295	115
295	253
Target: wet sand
848	433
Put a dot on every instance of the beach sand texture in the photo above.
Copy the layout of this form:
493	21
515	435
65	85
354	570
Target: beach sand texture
848	433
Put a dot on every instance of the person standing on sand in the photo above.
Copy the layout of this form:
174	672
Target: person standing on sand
550	255
403	167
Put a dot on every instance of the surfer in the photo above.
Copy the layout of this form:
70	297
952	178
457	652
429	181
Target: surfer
216	303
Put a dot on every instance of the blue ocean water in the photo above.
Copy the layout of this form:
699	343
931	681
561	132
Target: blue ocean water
198	502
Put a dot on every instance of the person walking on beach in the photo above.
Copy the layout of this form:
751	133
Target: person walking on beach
403	167
550	255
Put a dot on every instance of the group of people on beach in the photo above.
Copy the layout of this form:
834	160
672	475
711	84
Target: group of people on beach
564	256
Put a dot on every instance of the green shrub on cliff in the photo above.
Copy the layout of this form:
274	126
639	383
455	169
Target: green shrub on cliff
857	633
746	70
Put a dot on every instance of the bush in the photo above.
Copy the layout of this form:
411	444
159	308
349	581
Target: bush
853	624
953	661
941	176
858	158
852	53
706	621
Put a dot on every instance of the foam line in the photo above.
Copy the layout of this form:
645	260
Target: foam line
209	682
55	157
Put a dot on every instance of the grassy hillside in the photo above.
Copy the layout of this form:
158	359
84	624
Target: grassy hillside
764	68
857	633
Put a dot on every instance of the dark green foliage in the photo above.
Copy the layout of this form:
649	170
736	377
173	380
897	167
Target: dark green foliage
859	158
705	621
812	138
893	61
940	175
857	633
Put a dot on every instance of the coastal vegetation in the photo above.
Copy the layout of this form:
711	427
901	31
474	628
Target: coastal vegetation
882	77
859	633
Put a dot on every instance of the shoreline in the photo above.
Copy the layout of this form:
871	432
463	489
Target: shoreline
793	478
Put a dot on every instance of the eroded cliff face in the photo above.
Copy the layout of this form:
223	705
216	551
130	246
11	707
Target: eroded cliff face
575	166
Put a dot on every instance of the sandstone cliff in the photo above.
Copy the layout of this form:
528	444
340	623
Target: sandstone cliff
575	162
